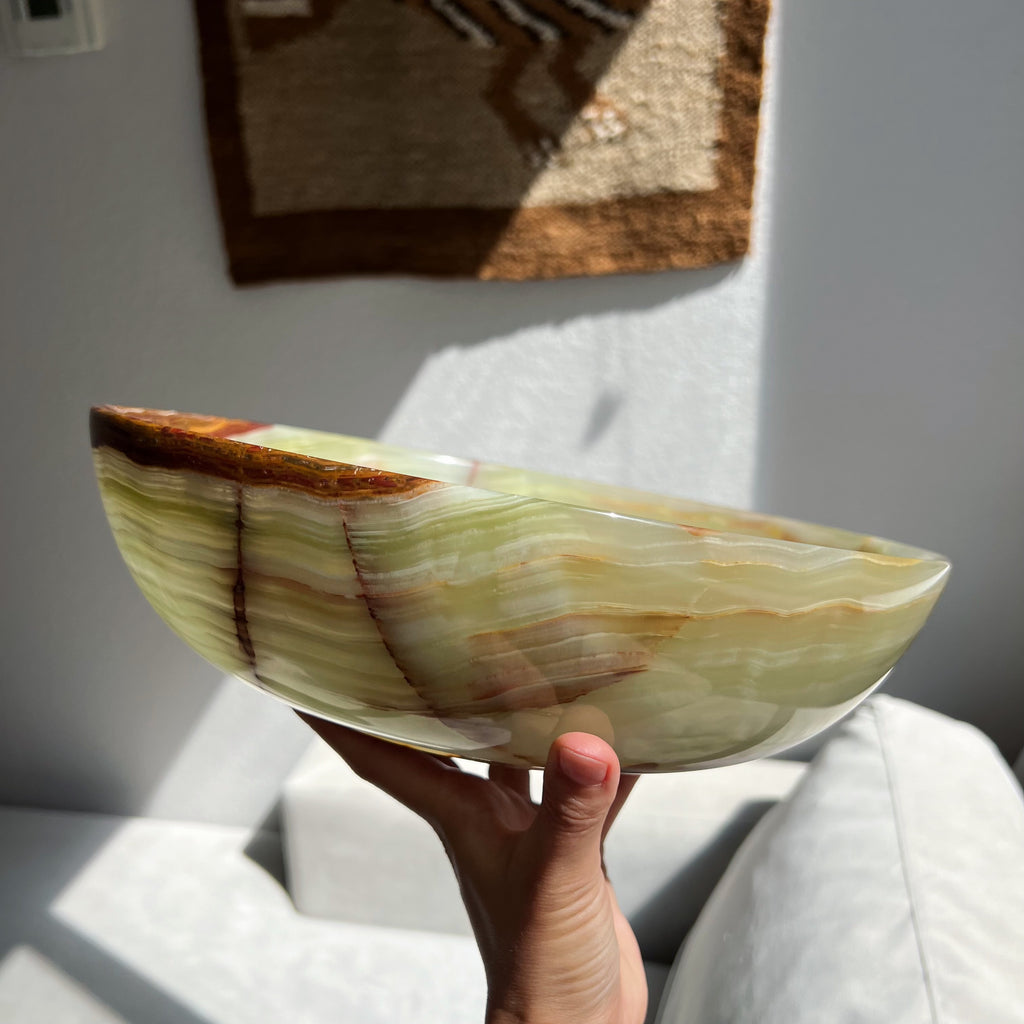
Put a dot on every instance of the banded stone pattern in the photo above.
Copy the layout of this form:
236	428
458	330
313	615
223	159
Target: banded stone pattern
479	611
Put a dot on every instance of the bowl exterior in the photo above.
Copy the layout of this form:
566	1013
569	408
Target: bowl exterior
483	624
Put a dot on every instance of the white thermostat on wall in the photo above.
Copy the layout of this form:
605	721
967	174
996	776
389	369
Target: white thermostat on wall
44	28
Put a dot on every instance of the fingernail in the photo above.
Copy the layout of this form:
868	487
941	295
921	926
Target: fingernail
583	770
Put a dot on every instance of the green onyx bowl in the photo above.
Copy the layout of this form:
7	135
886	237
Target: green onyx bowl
480	611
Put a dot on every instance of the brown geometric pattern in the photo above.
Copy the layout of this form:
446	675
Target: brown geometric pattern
481	138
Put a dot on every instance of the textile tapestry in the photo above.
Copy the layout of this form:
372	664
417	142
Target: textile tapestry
481	138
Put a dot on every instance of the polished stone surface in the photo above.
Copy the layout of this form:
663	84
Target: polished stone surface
480	611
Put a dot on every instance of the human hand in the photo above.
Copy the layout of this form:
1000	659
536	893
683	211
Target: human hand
555	945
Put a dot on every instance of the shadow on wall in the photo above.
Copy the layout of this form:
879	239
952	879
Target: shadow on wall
388	330
602	416
495	309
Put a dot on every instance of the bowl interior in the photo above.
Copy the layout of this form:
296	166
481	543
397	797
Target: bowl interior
604	497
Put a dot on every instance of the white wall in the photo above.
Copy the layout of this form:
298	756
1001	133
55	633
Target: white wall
890	384
893	396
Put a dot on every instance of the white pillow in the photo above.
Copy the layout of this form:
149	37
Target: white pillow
889	889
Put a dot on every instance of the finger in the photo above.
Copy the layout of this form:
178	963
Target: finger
626	784
581	780
435	790
515	780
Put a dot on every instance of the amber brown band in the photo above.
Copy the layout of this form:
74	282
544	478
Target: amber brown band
172	440
628	235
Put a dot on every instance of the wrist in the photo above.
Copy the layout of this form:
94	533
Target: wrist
511	1009
544	1011
505	1016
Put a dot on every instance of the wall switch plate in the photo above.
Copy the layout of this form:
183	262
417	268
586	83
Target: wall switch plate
44	28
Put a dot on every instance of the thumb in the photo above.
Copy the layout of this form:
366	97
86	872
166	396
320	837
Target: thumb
580	782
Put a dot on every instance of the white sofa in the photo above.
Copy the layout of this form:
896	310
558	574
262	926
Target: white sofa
885	884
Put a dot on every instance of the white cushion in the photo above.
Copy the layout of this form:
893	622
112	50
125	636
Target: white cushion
107	920
676	836
889	888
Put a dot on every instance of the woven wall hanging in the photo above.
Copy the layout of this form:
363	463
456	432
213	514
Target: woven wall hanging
481	138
